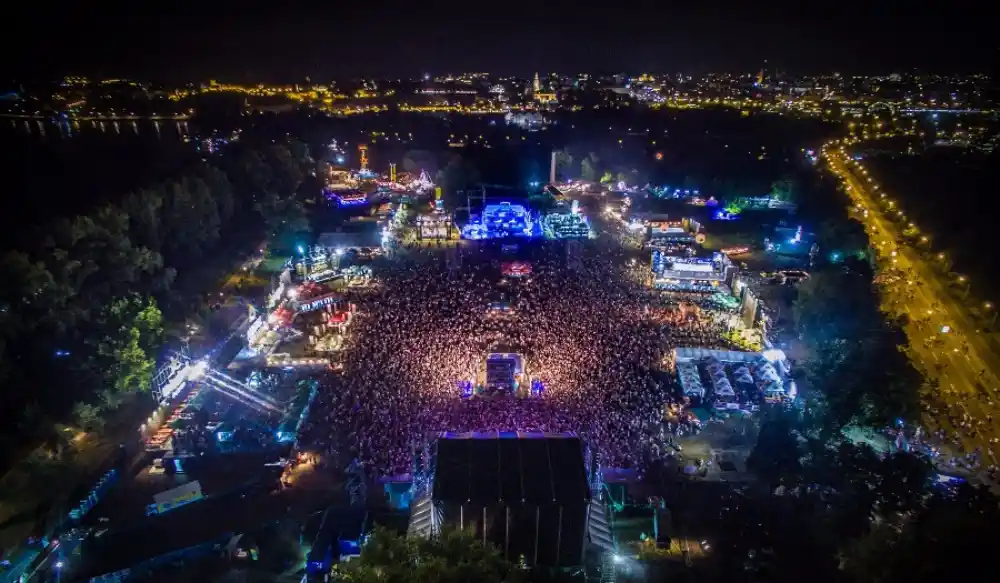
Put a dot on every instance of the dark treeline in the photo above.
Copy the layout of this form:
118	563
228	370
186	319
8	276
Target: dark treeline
65	169
719	151
87	300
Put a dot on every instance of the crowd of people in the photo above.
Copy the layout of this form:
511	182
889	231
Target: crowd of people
588	334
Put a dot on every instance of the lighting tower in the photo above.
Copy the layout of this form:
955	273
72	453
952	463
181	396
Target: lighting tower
392	173
536	85
363	155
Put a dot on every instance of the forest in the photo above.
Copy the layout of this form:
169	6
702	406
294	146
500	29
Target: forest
88	302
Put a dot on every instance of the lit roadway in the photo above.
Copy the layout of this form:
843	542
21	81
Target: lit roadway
960	359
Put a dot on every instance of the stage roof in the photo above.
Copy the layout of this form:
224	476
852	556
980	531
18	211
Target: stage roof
527	493
532	470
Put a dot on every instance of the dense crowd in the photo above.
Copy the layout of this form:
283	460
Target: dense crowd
589	335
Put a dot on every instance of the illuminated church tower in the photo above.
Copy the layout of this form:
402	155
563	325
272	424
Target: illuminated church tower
536	85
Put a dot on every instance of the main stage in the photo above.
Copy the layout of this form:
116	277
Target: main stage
502	374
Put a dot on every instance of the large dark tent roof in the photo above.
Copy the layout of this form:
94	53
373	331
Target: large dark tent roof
527	494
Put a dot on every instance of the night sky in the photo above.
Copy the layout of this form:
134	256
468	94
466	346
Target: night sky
285	41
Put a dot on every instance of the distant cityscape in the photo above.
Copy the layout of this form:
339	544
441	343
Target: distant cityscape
530	102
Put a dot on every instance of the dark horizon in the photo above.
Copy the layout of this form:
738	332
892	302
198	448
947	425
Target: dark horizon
244	42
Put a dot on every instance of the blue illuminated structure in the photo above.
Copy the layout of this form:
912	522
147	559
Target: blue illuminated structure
346	197
499	221
352	199
465	389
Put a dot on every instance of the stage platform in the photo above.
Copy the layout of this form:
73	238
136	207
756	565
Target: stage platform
502	374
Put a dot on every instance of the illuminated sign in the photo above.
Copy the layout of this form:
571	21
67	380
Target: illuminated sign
735	250
318	303
703	267
516	268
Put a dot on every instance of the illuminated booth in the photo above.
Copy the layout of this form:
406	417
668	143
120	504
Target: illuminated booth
566	226
735	378
434	226
683	273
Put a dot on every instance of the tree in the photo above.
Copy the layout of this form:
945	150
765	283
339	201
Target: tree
414	161
607	178
839	303
775	457
453	556
129	331
285	219
952	529
783	190
144	209
299	152
588	167
564	164
288	171
456	176
846	237
855	356
587	171
221	189
88	417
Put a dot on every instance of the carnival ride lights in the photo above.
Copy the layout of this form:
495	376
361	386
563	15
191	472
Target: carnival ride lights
422	184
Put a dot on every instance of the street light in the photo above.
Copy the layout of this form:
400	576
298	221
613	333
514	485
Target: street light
968	284
988	306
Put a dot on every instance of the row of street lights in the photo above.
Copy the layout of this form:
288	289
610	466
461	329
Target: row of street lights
988	307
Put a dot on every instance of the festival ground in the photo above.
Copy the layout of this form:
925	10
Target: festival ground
587	335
